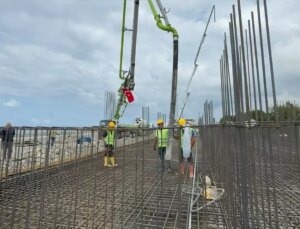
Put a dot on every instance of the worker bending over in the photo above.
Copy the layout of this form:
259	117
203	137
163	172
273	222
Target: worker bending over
109	139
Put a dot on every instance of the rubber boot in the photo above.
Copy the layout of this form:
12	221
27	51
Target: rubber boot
182	167
112	161
191	170
105	161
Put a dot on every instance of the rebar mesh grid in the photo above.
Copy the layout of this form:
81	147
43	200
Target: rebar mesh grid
258	167
74	190
260	170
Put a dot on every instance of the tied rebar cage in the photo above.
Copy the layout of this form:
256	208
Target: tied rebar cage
259	168
254	153
63	183
55	178
245	173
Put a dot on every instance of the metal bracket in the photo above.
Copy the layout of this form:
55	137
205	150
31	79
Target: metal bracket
167	11
125	29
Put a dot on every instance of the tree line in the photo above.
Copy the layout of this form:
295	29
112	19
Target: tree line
287	111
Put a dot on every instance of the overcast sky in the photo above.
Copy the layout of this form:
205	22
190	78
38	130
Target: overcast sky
57	58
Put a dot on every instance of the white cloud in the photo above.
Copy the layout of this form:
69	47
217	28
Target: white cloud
40	121
56	57
11	103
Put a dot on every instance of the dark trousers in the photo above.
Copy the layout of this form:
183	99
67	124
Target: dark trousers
7	149
161	154
190	159
109	151
52	140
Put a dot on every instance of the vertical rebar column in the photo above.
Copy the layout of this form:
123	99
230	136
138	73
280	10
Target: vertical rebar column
271	61
244	60
227	72
263	61
239	77
252	71
222	87
248	74
234	72
257	68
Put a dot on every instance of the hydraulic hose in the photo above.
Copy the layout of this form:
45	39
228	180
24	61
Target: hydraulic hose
159	23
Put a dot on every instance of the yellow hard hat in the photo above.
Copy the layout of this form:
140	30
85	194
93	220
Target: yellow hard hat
160	121
181	122
111	124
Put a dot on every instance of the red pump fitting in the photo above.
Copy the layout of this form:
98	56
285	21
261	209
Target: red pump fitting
128	94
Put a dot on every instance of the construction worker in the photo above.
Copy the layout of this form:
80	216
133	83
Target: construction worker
52	136
160	140
109	139
7	136
182	124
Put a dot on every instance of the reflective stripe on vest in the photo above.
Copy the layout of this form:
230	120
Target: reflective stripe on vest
162	137
110	138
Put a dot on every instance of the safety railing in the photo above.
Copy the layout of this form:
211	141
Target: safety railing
64	183
37	147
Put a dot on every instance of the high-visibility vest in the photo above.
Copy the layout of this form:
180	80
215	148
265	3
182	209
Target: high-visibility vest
162	137
110	138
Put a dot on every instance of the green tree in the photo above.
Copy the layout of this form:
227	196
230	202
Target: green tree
227	118
261	116
258	115
286	112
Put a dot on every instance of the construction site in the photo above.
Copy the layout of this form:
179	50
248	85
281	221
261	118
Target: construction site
241	172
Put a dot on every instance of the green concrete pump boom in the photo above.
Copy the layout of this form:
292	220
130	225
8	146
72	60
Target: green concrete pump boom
167	27
127	76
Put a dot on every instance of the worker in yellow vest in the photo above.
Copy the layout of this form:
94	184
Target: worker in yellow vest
109	139
160	140
189	157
